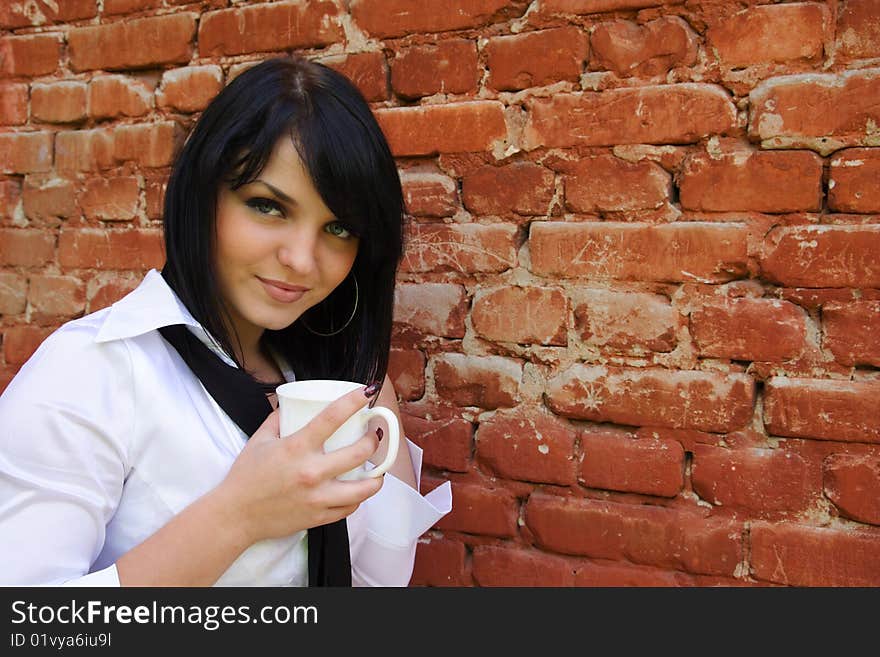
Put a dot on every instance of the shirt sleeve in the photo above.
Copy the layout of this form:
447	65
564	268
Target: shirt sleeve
384	530
62	460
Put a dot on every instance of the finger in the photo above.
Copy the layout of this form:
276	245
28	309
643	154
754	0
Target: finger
347	493
351	456
269	430
336	513
334	416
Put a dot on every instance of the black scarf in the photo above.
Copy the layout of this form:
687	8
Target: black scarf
244	401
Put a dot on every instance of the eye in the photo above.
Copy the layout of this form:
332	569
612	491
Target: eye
265	206
339	230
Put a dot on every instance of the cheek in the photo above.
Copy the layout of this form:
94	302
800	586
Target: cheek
239	242
343	262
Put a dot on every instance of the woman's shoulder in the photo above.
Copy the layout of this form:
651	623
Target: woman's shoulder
75	337
70	358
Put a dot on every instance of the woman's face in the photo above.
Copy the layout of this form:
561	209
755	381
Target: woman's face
280	250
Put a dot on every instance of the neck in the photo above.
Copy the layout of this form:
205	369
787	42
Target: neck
245	341
262	366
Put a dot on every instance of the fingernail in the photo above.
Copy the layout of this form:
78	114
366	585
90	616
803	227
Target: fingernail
380	433
372	389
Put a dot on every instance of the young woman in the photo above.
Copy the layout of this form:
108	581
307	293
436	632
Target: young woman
139	445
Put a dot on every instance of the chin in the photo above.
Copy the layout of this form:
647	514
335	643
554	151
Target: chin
274	321
279	324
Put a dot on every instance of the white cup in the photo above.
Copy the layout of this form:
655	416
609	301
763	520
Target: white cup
300	401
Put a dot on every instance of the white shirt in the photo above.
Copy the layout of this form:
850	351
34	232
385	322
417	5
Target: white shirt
106	434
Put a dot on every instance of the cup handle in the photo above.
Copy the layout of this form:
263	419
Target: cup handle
393	439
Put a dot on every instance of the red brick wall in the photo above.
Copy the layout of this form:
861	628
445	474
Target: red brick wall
637	319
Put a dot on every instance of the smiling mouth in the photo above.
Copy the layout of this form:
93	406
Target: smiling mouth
282	292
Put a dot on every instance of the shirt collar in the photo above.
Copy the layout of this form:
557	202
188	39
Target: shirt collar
150	306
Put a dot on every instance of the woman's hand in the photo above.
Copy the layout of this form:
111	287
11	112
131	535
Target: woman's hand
280	485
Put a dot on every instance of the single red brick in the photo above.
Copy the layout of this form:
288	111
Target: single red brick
823	112
486	381
608	250
25	152
770	33
117	95
59	102
25	247
523	187
48	196
822	409
798	555
454	128
148	144
431	308
528	446
29	56
90	248
749	329
622	463
447	439
482	510
189	89
138	43
629	322
708	401
850	331
650	535
534	59
858	29
111	198
526	315
757	480
13	104
57	295
270	26
822	256
460	247
629	49
609	184
667	114
13	293
760	181
851	185
449	67
852	483
429	194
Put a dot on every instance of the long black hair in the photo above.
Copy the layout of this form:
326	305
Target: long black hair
353	170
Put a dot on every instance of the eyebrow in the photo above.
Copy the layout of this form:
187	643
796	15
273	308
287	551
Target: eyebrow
277	192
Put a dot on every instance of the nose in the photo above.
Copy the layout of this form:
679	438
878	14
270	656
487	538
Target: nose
298	251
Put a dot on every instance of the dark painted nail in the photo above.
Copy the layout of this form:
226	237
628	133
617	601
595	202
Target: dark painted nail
380	433
372	389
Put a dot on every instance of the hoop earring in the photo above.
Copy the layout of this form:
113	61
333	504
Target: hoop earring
350	317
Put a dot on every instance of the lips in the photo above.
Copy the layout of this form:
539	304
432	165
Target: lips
282	292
